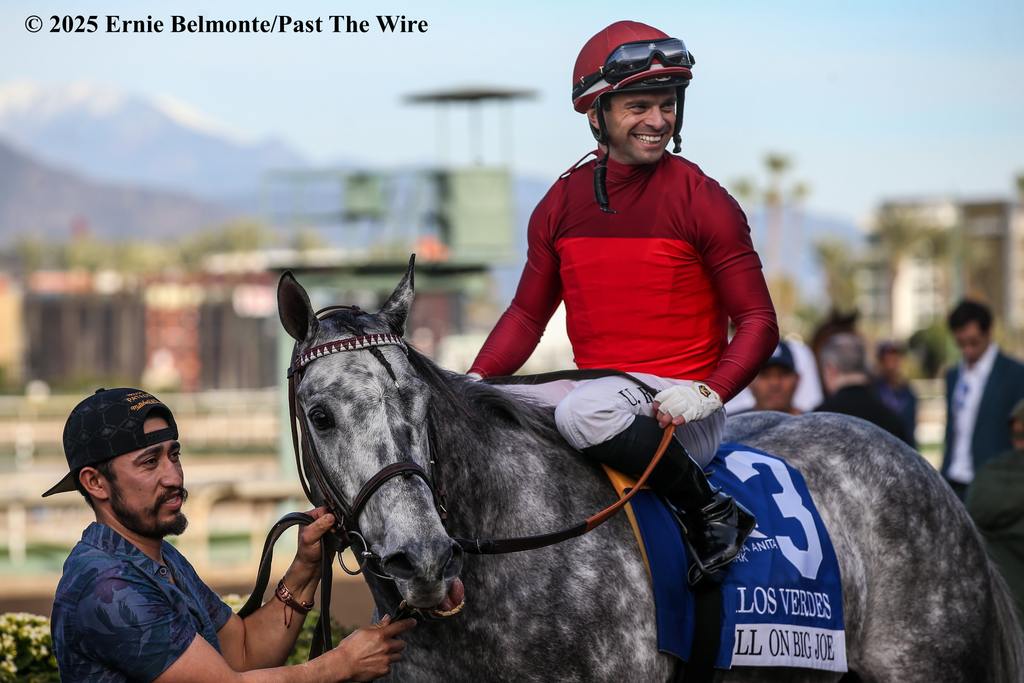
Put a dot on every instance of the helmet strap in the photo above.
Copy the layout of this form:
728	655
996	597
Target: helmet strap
601	132
600	186
677	138
601	168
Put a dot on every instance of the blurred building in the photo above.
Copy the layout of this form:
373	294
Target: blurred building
11	337
187	333
924	255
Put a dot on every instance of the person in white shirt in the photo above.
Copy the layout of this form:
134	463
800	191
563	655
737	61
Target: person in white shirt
980	392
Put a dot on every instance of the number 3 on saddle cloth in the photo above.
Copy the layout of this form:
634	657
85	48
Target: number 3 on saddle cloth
782	601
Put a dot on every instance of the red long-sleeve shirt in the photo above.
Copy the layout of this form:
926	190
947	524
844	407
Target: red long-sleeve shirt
650	288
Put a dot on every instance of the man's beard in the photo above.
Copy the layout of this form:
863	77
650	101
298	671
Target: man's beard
150	526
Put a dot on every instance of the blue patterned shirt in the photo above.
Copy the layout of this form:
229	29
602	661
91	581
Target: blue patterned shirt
117	616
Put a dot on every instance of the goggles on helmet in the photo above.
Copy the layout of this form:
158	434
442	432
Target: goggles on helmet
629	59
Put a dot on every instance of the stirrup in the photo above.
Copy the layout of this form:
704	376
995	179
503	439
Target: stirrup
713	571
697	570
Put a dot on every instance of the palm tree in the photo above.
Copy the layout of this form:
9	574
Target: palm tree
897	232
833	256
777	164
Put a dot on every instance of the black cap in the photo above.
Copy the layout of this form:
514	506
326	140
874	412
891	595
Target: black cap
781	357
108	424
889	346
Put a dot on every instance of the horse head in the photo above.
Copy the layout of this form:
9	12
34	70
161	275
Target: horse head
365	413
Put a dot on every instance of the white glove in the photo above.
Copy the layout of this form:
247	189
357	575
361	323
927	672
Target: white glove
474	376
693	401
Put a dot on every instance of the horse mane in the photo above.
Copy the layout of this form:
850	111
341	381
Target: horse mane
482	410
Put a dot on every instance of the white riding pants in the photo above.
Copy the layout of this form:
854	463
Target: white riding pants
591	411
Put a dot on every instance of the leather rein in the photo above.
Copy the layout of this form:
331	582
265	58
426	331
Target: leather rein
346	533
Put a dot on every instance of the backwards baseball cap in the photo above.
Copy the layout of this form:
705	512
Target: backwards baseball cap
108	424
781	357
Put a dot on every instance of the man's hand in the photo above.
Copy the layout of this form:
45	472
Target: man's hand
684	403
369	652
306	566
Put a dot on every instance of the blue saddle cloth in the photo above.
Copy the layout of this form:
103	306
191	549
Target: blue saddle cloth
782	601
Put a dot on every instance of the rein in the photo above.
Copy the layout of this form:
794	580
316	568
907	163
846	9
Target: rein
346	530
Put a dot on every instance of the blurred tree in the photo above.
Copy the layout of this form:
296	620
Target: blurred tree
778	203
833	256
933	348
144	257
744	190
777	164
239	235
85	252
308	239
896	232
32	253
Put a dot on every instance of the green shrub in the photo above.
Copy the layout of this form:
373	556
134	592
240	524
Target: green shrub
26	651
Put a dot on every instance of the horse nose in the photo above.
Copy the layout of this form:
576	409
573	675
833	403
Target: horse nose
425	560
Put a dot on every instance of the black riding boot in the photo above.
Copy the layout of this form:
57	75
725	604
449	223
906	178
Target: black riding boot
716	525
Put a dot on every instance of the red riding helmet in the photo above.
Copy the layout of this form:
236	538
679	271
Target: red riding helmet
628	55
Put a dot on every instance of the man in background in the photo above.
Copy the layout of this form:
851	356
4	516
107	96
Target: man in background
848	385
892	386
808	394
777	382
995	500
980	392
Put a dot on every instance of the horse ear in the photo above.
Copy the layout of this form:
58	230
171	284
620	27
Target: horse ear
396	309
293	306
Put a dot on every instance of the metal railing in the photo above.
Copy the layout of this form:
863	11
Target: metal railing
58	521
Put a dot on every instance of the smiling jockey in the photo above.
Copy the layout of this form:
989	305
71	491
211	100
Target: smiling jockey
650	272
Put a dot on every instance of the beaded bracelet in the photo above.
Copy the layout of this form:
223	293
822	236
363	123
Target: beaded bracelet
285	595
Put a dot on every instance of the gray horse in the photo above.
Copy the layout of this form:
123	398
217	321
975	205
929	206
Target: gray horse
921	600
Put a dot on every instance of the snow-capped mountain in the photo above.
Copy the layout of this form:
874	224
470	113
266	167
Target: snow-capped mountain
155	142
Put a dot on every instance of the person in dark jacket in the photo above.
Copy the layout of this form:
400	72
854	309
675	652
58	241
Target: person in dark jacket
848	387
980	392
995	500
893	388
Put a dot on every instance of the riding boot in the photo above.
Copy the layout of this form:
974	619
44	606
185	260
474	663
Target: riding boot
715	524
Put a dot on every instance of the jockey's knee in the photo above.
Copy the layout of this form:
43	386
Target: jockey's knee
586	417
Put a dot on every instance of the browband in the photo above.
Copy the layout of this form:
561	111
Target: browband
365	341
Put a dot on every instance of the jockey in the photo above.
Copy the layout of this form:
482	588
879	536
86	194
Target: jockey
650	273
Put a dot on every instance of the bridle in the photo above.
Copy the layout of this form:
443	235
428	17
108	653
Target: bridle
346	533
346	514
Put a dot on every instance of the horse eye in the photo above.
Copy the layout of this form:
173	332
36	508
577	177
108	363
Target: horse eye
320	419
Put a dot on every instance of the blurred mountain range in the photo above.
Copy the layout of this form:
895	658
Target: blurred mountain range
39	200
154	142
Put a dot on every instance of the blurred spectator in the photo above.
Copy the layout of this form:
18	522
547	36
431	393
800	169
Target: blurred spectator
808	390
980	392
995	500
848	386
776	383
894	390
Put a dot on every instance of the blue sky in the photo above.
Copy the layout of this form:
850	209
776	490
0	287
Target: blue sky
872	100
